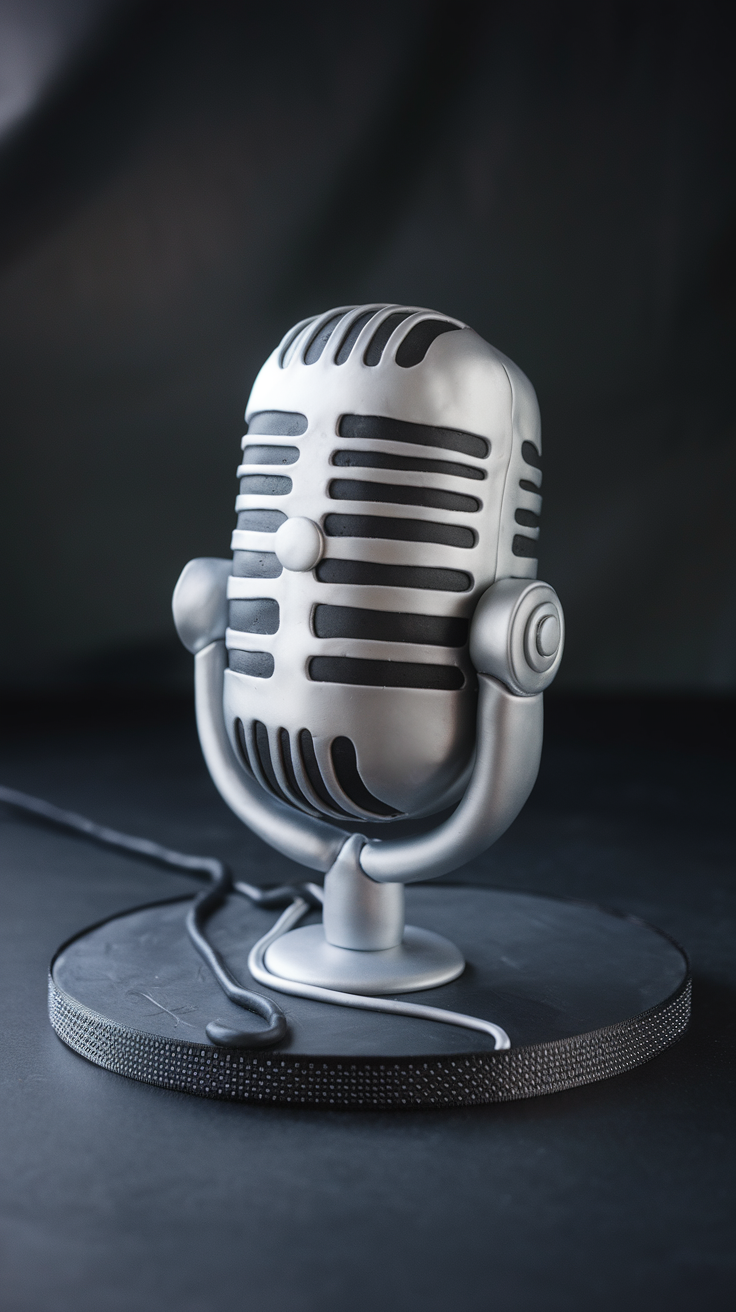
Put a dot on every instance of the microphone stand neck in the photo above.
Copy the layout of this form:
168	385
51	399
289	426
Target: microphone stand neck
358	912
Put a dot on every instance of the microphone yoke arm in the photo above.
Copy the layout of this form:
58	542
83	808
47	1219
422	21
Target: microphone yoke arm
303	838
516	644
516	641
508	750
199	604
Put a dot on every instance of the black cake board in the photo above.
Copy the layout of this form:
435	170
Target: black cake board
582	992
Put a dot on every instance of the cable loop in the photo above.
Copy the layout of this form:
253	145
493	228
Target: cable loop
298	899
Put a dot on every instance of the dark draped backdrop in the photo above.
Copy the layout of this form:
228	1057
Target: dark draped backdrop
180	182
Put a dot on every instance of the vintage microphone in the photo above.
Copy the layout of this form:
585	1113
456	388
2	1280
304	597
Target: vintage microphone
376	650
378	646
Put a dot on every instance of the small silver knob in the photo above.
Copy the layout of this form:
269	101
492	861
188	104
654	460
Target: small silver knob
548	635
517	635
299	544
542	637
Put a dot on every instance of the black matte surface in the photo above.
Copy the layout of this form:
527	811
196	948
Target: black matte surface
270	455
378	428
277	423
378	341
417	342
402	530
389	626
256	565
371	574
558	176
266	485
118	1196
385	674
260	664
385	460
319	342
402	494
543	969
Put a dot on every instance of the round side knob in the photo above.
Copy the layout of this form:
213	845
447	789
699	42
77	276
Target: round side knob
542	637
199	602
299	544
517	635
547	637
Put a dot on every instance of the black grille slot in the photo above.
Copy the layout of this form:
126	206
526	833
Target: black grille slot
348	489
287	349
382	460
270	455
259	664
377	344
261	521
351	338
240	739
526	547
321	338
265	485
527	518
345	765
389	626
313	772
419	339
256	615
375	428
256	565
527	486
367	574
530	454
288	765
263	748
398	530
277	423
385	674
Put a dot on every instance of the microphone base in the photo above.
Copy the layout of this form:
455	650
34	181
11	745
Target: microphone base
423	960
583	994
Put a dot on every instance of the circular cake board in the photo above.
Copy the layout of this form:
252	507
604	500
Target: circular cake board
582	993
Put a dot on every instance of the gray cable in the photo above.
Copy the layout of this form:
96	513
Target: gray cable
287	921
302	898
204	905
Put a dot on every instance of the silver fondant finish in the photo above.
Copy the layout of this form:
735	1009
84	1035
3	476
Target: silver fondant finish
299	544
509	745
414	746
418	749
363	1001
508	750
313	842
503	635
358	912
423	960
199	603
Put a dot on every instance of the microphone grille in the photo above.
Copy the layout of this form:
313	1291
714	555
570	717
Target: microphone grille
362	422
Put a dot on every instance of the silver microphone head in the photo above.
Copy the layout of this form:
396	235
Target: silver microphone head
390	475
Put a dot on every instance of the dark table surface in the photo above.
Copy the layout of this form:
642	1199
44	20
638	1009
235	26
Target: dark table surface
117	1195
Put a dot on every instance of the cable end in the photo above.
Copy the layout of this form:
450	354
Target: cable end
227	1037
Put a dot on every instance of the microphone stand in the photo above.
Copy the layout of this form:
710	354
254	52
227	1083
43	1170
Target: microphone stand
363	944
583	993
